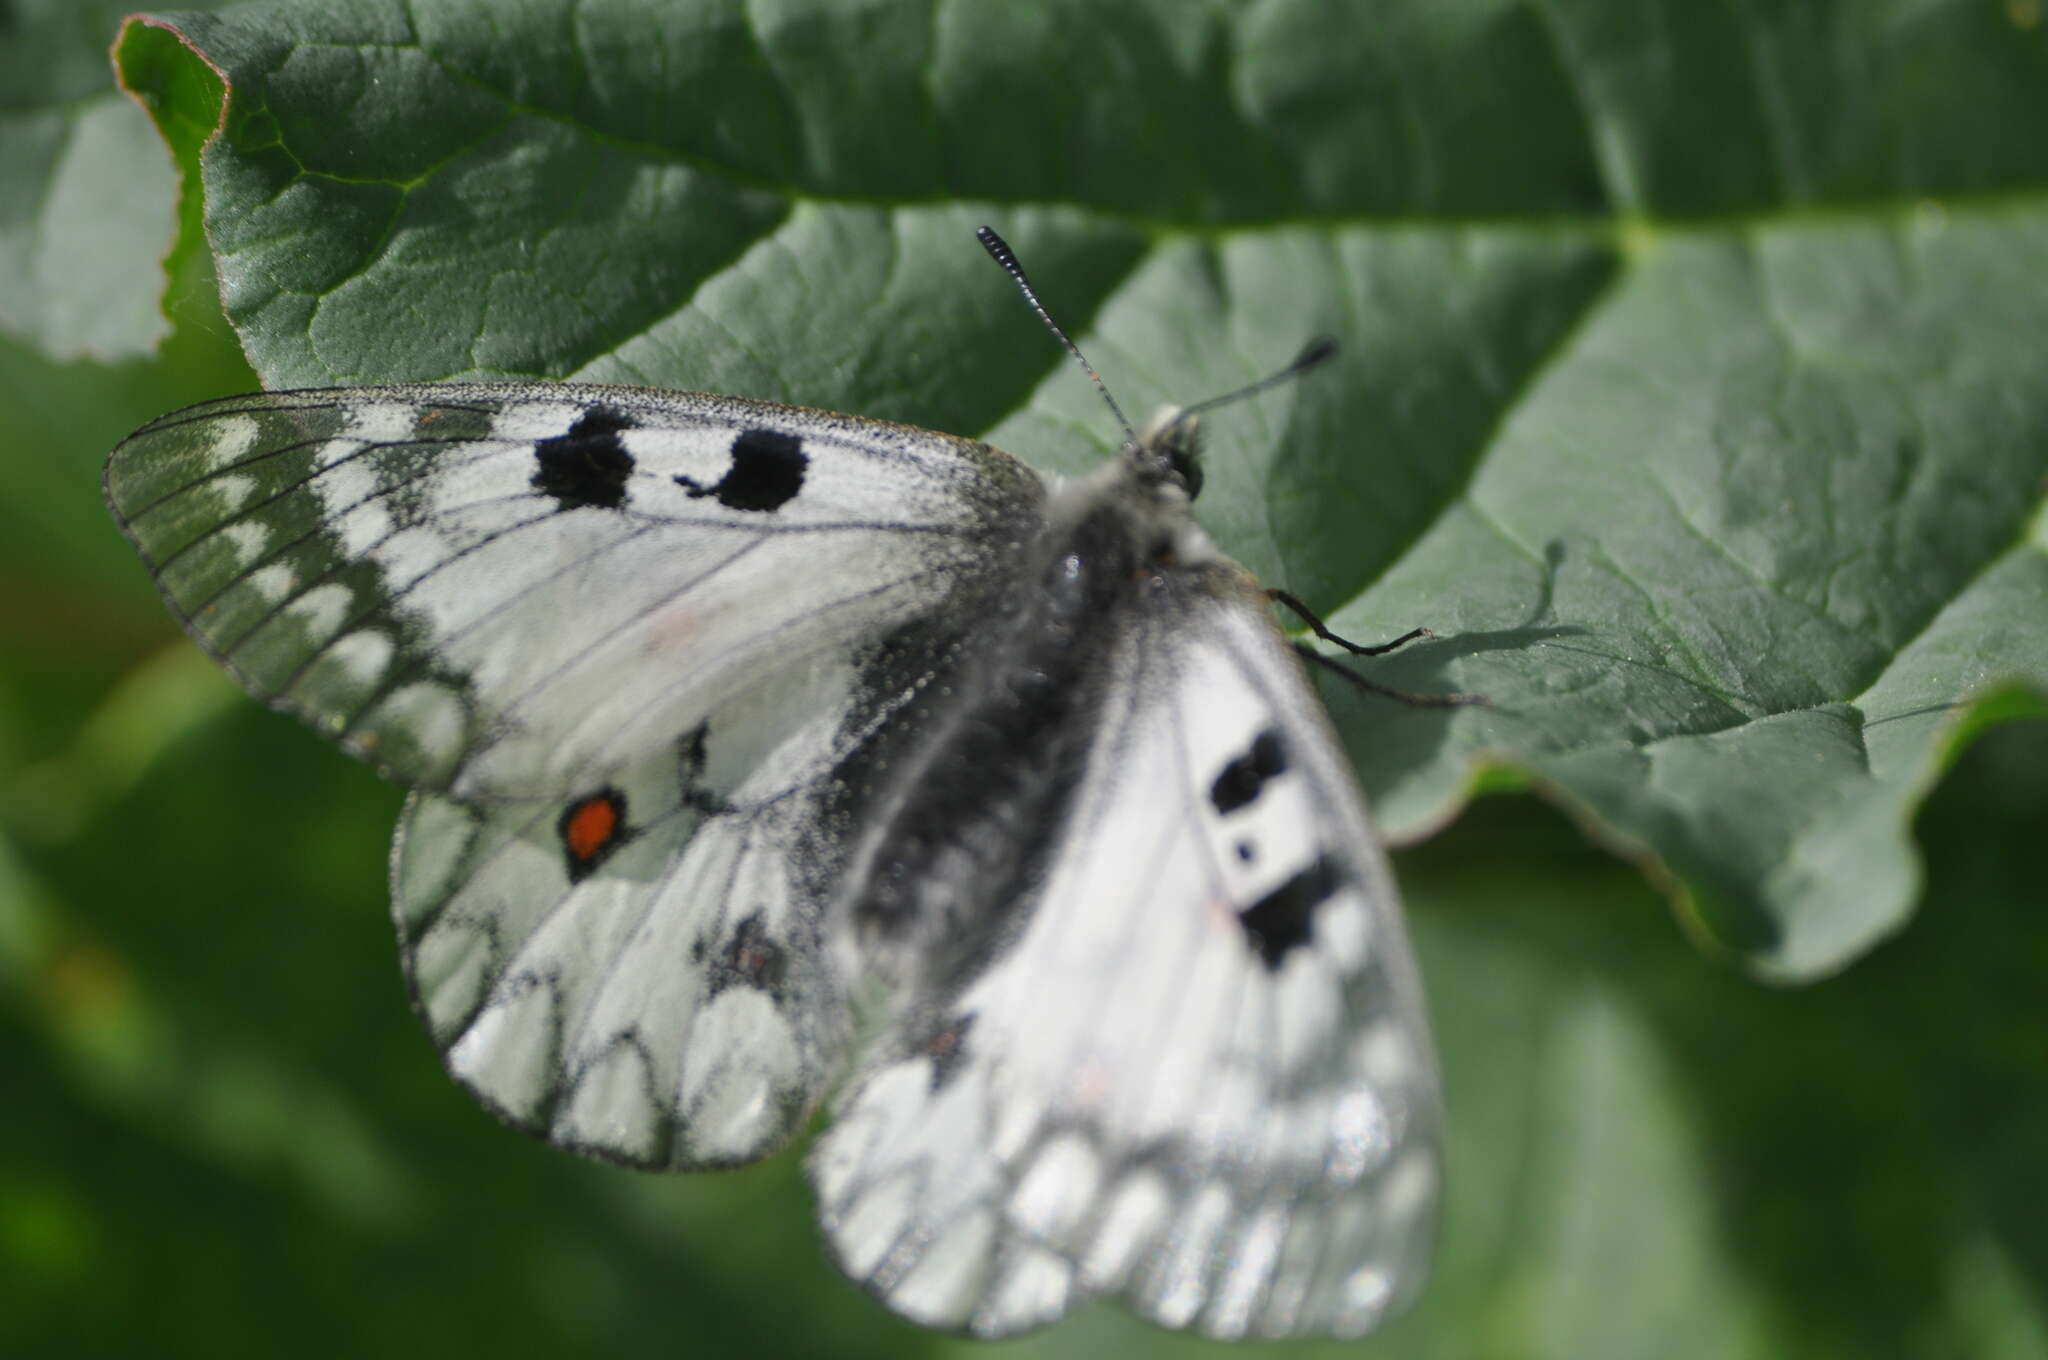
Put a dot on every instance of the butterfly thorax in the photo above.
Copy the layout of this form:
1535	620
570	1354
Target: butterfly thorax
974	784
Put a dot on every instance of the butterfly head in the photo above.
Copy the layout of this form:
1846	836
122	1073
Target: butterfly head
1165	453
1168	452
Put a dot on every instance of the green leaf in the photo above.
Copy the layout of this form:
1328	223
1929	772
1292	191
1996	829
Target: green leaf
1689	390
87	209
85	193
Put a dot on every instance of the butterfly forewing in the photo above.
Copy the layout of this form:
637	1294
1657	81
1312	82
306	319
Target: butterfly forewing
508	590
1200	1077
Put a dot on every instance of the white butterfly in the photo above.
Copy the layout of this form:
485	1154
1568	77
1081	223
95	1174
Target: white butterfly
763	755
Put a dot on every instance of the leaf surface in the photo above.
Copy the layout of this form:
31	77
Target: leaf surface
1688	388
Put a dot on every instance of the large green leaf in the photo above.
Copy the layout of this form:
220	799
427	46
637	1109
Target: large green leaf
87	213
1688	392
85	191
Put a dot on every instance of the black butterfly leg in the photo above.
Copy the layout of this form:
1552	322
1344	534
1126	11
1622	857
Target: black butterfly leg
1316	626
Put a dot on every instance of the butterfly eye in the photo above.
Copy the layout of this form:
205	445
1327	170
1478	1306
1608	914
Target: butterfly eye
1183	453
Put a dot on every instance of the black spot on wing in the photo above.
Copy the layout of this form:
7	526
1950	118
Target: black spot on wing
751	958
697	795
589	464
946	1046
1242	779
1284	918
767	471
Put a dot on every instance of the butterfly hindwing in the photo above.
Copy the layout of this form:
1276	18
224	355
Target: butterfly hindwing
642	969
1199	1076
571	958
510	590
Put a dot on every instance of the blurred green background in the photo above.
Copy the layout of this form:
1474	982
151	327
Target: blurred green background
222	1132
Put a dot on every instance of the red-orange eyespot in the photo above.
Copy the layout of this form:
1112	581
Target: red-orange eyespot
591	829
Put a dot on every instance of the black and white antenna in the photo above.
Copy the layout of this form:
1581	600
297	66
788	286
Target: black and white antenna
1314	353
999	251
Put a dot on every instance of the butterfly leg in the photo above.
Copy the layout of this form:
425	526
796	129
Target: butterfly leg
1316	626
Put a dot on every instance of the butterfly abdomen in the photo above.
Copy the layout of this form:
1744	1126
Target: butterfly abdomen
980	779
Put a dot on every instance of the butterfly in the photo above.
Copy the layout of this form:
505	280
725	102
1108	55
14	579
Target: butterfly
763	757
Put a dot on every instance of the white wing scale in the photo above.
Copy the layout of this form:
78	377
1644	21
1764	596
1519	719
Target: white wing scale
1200	1078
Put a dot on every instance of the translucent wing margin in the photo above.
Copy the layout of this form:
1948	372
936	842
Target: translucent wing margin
506	590
1200	1076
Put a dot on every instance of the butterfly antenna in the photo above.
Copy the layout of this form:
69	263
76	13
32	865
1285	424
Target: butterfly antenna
1313	354
999	251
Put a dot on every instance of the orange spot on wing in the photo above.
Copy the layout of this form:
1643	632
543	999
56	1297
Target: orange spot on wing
589	826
